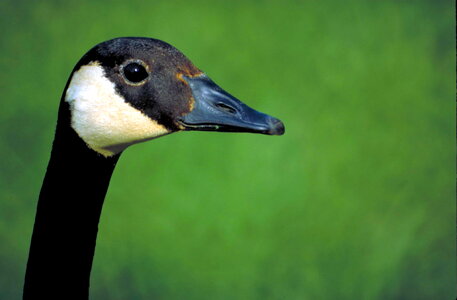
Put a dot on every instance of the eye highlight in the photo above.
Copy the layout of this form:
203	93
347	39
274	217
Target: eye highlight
134	72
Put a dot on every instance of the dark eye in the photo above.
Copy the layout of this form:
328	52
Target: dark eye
135	72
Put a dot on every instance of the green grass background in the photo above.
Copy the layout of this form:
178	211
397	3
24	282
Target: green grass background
355	201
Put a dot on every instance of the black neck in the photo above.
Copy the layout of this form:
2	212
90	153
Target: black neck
68	213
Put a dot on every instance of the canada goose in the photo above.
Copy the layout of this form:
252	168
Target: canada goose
123	91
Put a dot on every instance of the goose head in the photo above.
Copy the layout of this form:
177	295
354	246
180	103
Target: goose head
128	90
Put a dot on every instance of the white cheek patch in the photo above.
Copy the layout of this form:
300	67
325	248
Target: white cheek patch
100	115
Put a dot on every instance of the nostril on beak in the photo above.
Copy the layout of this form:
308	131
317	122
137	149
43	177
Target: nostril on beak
226	108
276	127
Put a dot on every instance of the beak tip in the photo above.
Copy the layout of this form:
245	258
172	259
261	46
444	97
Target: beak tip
276	127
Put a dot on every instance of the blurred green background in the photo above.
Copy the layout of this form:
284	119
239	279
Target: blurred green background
355	201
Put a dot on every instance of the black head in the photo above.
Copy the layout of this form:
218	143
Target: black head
128	90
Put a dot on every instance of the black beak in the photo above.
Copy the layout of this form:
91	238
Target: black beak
216	110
